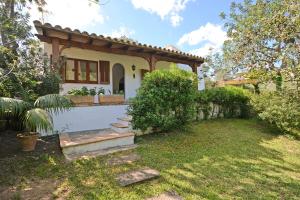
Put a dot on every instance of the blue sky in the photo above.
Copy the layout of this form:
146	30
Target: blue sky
192	25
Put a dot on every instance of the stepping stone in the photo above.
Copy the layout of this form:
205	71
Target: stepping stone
126	159
136	176
167	196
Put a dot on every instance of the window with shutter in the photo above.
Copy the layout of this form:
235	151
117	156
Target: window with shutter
80	71
104	72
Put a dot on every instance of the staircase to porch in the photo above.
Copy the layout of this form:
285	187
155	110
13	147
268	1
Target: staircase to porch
98	142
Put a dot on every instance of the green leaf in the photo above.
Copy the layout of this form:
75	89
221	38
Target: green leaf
53	103
38	119
12	107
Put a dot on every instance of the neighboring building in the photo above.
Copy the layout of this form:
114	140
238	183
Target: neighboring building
238	80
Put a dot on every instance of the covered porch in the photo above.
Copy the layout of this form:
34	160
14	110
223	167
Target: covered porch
120	64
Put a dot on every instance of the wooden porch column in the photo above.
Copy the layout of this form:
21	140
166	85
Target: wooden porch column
55	52
199	76
152	62
194	68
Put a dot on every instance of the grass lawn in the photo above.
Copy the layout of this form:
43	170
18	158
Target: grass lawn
221	159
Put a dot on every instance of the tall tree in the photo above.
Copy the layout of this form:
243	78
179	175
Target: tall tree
265	35
23	68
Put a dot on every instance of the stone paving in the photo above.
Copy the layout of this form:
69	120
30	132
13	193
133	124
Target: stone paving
125	159
136	176
139	175
167	196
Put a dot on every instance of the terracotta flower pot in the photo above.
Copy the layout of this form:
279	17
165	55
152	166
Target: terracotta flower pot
111	99
28	140
81	100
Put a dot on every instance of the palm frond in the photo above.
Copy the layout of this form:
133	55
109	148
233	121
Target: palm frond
53	103
38	119
12	107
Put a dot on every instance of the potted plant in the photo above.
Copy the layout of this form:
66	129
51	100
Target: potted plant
33	117
81	96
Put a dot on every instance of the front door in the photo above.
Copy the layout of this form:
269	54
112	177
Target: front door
118	76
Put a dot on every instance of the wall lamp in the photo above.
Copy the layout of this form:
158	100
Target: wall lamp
133	69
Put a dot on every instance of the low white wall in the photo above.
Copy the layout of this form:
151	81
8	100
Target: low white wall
88	118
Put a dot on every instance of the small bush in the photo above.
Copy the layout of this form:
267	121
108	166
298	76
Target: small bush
165	100
84	91
231	102
279	108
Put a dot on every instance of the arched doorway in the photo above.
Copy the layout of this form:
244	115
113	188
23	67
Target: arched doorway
118	76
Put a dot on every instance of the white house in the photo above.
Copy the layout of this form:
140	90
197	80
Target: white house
96	61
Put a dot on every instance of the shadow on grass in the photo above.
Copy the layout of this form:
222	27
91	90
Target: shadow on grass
227	159
214	159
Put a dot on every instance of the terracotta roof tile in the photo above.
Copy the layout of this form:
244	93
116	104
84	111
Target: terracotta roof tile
38	24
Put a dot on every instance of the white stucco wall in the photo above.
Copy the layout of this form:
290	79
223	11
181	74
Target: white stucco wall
99	117
88	118
201	81
131	84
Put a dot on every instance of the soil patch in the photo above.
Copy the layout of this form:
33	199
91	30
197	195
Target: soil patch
10	146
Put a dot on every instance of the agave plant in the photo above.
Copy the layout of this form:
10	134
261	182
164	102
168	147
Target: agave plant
37	116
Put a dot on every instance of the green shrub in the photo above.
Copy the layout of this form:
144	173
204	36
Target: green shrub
203	104
165	100
231	102
279	108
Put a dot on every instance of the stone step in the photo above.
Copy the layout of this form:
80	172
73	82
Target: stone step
102	152
124	122
126	119
167	196
137	176
120	128
119	125
95	140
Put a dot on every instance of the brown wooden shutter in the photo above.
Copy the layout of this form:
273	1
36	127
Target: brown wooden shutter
104	72
143	73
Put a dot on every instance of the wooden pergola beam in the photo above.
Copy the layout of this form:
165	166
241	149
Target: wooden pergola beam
125	48
107	48
108	45
67	33
69	36
90	42
152	60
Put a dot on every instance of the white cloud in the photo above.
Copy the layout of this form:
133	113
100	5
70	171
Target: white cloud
176	20
122	31
163	8
70	13
205	50
211	38
212	33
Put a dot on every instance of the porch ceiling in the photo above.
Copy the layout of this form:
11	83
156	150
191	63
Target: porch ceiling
75	38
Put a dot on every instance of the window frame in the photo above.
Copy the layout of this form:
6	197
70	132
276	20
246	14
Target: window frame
76	68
